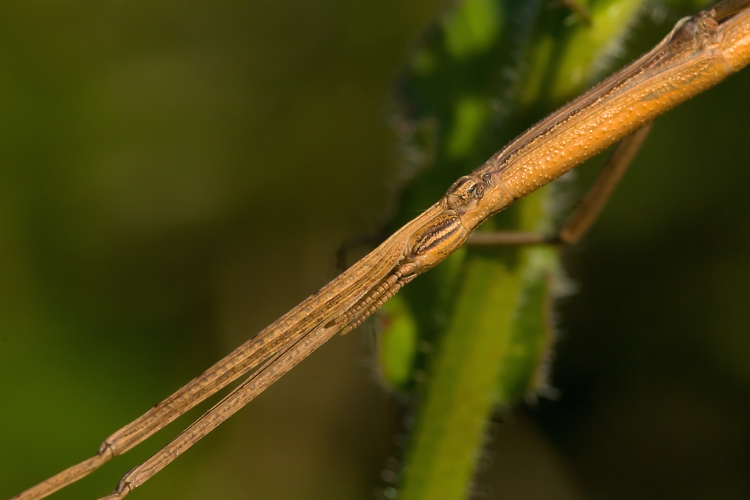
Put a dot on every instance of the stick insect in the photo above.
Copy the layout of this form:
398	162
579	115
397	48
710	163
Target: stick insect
445	226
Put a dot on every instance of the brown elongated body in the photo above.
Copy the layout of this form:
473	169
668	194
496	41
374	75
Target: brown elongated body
699	53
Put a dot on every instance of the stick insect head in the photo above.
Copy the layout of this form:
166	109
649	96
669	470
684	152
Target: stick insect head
464	195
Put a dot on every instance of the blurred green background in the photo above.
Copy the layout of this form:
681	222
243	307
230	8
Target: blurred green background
173	177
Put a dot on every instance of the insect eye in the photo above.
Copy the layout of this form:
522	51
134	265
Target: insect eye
487	179
475	190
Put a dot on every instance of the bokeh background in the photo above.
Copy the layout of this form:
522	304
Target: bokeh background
174	176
